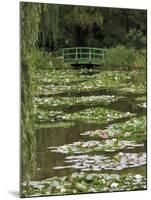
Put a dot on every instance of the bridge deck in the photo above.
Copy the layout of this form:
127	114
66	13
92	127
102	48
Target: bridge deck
83	55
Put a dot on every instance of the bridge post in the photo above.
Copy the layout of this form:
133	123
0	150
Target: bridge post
89	55
76	54
103	56
63	54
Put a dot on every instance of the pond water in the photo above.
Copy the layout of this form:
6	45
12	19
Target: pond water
90	122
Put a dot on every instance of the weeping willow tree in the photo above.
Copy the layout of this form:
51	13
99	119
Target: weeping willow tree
29	23
49	25
87	17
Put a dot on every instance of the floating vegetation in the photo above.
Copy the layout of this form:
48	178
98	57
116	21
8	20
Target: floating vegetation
105	134
97	115
95	146
142	105
61	102
133	129
43	115
61	77
118	161
55	125
141	99
65	81
84	182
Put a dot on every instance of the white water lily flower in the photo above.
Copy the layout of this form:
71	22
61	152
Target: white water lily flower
114	185
114	140
121	154
128	113
138	176
63	190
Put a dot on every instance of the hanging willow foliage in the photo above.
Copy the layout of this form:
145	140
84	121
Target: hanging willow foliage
55	29
29	23
49	25
86	17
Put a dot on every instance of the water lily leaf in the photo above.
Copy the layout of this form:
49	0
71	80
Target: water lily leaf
80	187
55	184
89	178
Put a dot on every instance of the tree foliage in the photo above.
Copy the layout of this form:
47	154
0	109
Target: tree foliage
91	26
29	20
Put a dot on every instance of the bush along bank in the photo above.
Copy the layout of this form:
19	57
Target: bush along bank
123	58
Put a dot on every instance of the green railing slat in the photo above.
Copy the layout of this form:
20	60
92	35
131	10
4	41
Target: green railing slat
82	53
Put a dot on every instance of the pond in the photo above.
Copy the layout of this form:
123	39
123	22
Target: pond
91	131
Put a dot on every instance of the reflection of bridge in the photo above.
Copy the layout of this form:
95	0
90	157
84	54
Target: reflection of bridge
83	55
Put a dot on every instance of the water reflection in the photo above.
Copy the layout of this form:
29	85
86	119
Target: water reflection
47	137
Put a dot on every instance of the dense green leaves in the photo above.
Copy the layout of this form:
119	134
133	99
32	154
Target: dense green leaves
63	25
75	81
119	57
133	129
29	35
87	17
86	183
95	146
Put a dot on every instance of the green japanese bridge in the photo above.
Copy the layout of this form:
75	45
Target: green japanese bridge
83	55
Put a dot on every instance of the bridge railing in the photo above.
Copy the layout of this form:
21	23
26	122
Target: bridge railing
83	55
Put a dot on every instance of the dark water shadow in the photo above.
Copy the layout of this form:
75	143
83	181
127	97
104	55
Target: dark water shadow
123	104
96	92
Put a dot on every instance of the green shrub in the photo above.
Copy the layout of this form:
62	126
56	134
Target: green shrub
119	57
140	59
57	63
44	60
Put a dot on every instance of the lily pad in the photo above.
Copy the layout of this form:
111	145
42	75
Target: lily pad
101	182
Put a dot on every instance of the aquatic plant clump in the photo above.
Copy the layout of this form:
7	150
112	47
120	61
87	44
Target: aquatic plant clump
73	81
133	129
97	115
95	146
84	182
115	142
66	102
117	162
